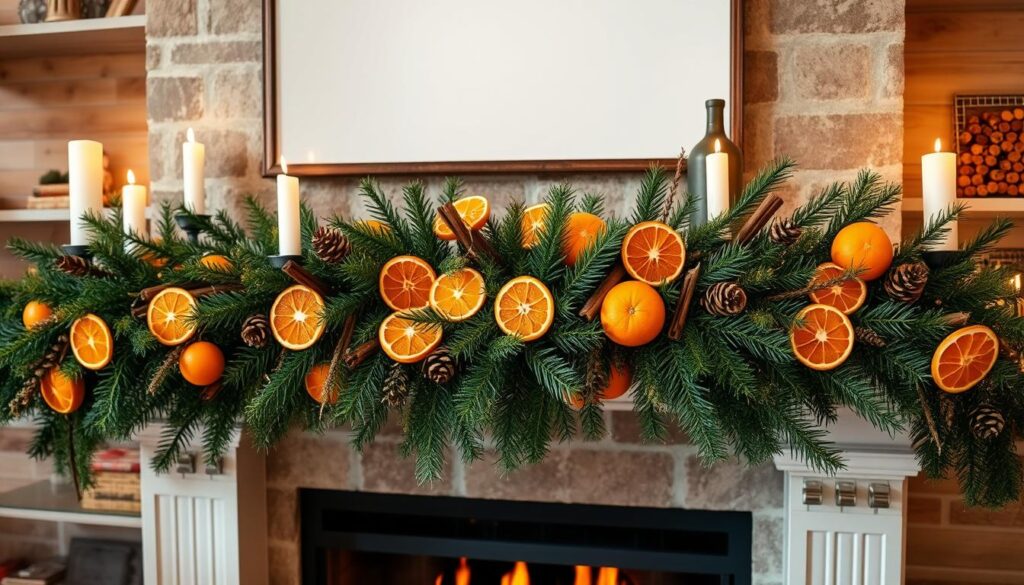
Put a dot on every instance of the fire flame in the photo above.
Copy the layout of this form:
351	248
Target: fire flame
938	145
131	177
718	146
583	576
608	576
462	573
520	575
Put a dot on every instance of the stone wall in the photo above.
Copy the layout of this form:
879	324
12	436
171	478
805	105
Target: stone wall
823	83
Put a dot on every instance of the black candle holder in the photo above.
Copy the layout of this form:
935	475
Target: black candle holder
279	261
189	225
77	250
938	259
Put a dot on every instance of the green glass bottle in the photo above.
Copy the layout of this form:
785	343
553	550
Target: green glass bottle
696	170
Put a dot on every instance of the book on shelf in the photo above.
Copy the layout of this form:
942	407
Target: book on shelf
58	202
41	573
117	460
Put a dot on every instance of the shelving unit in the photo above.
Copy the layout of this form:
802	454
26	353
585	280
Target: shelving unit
46	502
23	215
124	34
979	207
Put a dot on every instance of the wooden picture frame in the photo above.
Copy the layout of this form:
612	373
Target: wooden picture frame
272	155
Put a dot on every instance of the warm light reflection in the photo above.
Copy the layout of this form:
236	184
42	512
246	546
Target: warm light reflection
718	145
462	573
518	576
131	181
1015	282
439	580
191	135
284	165
938	145
608	576
583	576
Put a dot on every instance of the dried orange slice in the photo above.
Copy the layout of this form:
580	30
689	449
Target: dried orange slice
295	317
533	224
375	226
653	252
821	337
847	296
474	210
407	341
405	283
964	358
459	295
62	394
525	308
91	342
169	316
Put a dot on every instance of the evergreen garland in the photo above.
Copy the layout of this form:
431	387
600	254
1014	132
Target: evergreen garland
730	382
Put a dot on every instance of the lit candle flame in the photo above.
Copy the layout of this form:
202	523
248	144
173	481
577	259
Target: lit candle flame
284	165
131	177
191	135
938	145
718	146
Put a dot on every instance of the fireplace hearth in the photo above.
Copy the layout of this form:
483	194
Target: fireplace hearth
358	538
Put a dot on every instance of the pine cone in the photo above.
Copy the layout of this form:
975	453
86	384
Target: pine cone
51	359
256	330
439	367
724	299
330	245
906	282
868	337
73	265
986	422
784	232
396	386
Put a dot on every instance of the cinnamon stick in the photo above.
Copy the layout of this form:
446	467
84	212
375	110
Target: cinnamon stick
139	310
476	246
593	305
956	319
358	355
147	294
347	330
769	206
675	328
305	278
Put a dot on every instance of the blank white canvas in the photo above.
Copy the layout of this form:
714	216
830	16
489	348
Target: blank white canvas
392	81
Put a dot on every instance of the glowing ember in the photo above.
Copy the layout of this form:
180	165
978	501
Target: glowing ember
583	575
462	573
608	576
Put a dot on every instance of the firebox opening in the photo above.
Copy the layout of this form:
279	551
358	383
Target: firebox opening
351	538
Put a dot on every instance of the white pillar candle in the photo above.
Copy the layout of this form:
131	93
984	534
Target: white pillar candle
717	168
133	207
938	191
289	240
85	172
193	163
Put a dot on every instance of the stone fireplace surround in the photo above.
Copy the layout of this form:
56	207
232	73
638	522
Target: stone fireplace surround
823	83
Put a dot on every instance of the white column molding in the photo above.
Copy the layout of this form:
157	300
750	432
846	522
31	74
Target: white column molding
856	544
201	528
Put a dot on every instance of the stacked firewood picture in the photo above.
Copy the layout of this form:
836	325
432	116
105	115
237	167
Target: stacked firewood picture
991	161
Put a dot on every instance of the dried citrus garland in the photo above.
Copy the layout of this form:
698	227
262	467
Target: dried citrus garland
511	323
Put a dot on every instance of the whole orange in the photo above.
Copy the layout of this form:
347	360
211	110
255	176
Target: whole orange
202	363
216	262
633	313
620	378
35	312
316	380
863	246
581	230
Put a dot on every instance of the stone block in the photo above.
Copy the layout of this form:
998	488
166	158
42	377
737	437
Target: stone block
615	187
758	136
760	77
164	155
282	515
227	152
894	73
585	476
757	23
307	460
171	18
236	94
839	142
625	428
235	16
386	470
217	52
174	98
500	191
154	54
828	16
732	485
768	544
832	71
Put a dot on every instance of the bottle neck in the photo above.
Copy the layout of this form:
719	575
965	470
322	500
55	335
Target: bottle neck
716	120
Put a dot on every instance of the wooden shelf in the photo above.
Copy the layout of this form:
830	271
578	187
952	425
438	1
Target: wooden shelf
33	215
44	501
978	207
123	34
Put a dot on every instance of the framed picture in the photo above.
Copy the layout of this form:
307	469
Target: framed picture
990	145
464	86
